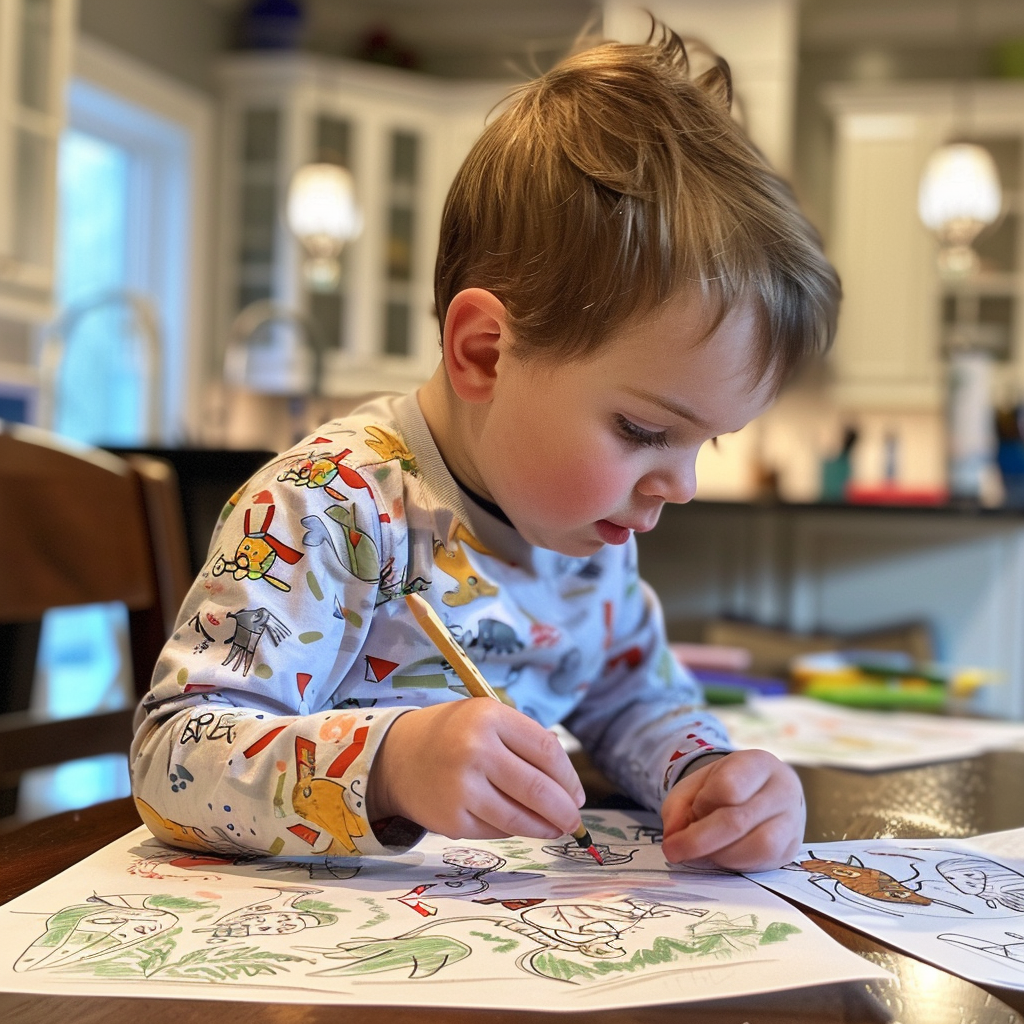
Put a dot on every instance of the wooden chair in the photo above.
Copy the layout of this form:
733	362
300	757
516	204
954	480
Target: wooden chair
79	526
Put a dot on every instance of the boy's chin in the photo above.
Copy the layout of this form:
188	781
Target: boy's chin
573	547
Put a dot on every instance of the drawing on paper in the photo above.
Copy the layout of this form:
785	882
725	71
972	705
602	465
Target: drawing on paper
1008	953
485	922
993	883
565	942
933	900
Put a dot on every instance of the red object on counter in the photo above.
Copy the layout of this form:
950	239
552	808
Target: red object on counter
889	494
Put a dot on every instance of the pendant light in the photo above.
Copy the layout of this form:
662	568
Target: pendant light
959	193
958	198
323	215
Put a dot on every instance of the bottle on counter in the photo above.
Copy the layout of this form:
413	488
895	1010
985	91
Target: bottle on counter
970	422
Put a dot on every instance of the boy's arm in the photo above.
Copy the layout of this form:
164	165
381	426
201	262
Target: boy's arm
646	726
644	720
238	747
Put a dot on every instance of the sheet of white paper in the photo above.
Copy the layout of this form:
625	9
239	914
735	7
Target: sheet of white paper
800	730
958	903
484	924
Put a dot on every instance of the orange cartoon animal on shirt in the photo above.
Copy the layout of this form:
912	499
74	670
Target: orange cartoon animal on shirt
452	560
256	554
322	800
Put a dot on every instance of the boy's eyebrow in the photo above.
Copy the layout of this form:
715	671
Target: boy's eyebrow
669	406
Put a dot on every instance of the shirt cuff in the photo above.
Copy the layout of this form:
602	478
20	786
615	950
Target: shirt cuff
396	833
702	761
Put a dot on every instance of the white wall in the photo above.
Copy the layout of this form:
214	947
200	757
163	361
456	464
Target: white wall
181	38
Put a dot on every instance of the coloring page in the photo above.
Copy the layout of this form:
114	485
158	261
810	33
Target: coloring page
800	730
958	904
480	924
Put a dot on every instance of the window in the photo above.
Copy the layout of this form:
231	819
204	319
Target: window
131	212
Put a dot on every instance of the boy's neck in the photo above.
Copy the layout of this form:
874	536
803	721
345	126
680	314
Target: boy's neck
451	424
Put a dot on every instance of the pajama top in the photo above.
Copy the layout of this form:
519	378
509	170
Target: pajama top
294	651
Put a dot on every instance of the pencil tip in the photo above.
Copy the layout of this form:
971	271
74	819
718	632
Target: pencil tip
592	850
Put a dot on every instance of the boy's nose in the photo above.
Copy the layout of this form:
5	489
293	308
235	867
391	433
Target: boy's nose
674	482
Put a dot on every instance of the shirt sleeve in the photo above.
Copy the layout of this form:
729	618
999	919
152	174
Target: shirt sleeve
245	743
644	721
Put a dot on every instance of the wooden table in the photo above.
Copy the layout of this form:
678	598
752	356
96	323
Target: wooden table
958	798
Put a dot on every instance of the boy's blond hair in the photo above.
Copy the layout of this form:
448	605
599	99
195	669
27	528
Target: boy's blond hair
615	180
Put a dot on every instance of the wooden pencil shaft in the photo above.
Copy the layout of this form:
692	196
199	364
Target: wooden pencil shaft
470	675
445	643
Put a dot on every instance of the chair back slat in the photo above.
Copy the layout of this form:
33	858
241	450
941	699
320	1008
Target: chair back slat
73	530
80	526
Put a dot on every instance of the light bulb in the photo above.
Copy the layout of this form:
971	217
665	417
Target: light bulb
323	215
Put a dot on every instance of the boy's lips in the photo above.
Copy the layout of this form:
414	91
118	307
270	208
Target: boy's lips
613	533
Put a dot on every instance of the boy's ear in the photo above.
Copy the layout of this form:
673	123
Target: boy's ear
475	326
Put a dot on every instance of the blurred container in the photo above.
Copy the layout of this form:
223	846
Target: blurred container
1010	454
970	423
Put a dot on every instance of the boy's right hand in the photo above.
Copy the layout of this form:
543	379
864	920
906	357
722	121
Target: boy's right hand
475	769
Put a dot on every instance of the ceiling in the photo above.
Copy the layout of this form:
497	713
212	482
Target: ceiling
487	38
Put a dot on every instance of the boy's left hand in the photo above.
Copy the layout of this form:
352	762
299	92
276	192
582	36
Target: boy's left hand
744	812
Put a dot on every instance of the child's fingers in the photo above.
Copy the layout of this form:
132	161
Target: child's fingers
744	812
771	844
726	840
732	781
533	798
714	831
715	785
496	809
476	769
540	748
478	828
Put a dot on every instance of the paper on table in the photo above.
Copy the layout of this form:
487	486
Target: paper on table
483	924
800	730
957	903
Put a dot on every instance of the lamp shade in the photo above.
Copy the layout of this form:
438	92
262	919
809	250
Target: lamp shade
959	192
322	209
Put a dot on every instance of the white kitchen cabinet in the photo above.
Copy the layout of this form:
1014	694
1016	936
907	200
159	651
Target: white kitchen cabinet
402	135
898	315
35	40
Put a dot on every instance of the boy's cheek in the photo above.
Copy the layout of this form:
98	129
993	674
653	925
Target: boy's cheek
580	491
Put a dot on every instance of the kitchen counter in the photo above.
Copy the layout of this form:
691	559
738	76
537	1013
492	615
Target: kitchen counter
848	569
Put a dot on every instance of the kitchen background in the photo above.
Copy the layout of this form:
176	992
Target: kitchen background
154	291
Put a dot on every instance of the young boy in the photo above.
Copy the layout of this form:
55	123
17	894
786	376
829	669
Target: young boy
620	280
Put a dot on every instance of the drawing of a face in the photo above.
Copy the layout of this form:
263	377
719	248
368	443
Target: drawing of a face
992	882
470	866
472	860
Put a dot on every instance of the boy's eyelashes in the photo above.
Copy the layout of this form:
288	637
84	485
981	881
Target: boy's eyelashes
640	436
645	438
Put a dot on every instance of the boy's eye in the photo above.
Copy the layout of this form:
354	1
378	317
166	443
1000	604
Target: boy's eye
641	436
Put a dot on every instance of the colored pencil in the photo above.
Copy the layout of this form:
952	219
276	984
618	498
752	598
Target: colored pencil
474	681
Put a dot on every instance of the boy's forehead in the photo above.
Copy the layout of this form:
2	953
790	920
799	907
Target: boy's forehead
685	330
710	377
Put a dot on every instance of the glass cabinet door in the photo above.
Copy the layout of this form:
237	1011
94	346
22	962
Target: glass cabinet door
400	248
335	140
261	129
34	44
